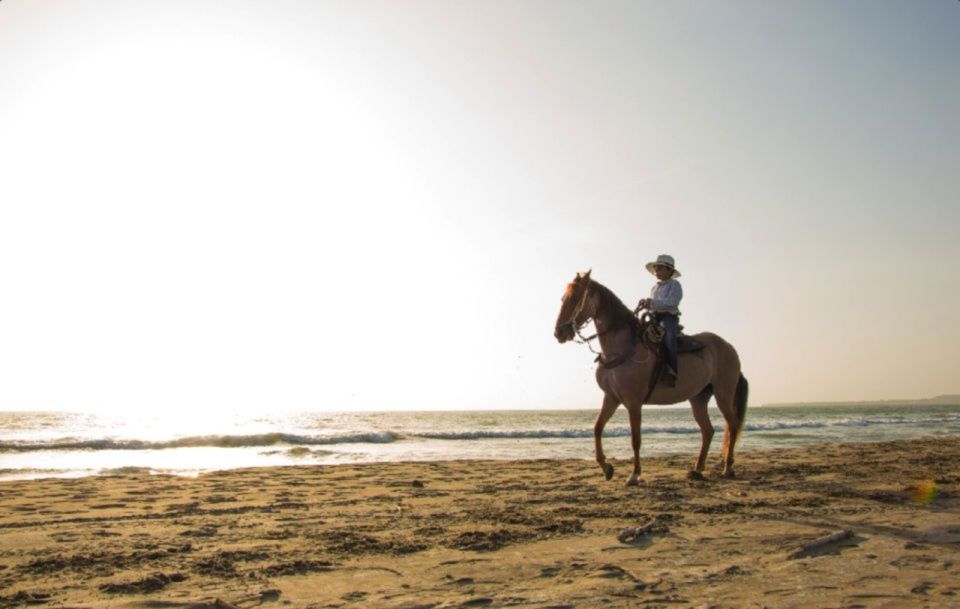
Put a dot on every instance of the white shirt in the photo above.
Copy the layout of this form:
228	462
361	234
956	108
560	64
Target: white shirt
665	297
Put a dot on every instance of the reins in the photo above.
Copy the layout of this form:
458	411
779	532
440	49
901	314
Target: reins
585	340
618	360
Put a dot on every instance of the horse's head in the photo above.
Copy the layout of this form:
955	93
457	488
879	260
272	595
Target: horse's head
576	308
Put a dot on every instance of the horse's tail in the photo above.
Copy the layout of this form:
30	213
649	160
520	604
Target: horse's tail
740	402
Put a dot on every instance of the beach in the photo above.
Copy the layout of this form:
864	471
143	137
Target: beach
484	533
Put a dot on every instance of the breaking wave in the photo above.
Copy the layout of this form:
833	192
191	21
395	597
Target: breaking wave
532	433
306	442
238	441
681	429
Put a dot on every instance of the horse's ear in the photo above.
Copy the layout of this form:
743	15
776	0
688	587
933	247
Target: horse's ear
586	276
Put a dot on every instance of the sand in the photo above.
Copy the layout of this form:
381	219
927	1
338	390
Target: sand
497	534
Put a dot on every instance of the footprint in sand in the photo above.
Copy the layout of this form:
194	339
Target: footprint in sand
912	561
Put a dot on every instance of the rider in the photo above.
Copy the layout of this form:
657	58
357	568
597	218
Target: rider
664	304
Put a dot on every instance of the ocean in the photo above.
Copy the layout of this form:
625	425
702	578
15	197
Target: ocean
61	444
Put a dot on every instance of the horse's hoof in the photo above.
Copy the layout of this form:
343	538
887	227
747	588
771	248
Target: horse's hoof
607	471
694	475
729	475
633	481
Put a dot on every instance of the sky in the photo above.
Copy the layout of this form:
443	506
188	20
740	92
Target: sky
289	205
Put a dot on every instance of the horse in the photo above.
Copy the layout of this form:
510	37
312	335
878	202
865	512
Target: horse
628	365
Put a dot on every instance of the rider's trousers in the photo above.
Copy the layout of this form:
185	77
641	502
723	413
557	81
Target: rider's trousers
671	327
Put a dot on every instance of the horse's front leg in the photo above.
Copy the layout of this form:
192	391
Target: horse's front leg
635	443
609	406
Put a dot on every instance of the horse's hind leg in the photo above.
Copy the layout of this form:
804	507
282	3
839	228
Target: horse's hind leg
699	405
610	405
726	401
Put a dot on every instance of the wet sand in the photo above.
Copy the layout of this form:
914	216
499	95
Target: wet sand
497	534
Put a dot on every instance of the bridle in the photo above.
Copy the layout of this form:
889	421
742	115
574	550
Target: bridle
580	339
576	312
585	340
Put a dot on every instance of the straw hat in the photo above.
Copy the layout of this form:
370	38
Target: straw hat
667	261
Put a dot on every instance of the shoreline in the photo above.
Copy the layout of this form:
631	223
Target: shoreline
614	445
70	447
537	533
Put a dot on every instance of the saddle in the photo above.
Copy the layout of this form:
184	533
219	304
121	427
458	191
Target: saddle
688	344
653	334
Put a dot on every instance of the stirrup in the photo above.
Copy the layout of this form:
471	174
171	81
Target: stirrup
668	377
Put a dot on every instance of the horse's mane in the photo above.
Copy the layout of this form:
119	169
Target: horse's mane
617	313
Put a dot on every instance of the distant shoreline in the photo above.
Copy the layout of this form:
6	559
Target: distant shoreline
940	400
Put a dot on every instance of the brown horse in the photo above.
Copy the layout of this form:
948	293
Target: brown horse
627	366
